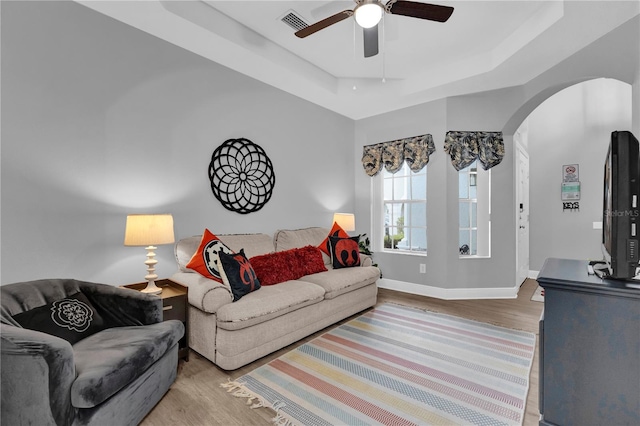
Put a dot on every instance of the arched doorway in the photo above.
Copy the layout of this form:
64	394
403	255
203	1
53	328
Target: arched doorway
571	126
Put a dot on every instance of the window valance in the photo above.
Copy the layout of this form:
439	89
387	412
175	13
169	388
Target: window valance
415	151
465	147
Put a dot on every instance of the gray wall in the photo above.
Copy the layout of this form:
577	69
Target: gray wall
426	118
572	126
615	55
482	111
101	120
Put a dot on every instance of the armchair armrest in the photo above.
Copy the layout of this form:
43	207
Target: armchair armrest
36	367
123	306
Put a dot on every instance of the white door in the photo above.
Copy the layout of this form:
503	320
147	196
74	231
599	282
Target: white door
522	213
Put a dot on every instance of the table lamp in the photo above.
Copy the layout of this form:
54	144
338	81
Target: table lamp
347	221
149	230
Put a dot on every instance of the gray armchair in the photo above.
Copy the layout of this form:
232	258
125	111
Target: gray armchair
123	363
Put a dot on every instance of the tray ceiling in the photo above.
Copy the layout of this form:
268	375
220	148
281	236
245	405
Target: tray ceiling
485	45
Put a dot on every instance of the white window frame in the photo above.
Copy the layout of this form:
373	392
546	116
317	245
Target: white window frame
482	201
378	213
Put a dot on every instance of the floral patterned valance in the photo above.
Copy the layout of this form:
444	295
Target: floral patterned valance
415	151
465	147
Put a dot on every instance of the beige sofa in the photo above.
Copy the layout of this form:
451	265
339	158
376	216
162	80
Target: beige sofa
233	334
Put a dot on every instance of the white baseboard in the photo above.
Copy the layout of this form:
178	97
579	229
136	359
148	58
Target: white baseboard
449	293
533	274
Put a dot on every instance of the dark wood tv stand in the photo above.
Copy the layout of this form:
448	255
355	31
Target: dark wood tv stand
589	348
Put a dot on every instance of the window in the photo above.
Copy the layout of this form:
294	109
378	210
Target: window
474	211
404	211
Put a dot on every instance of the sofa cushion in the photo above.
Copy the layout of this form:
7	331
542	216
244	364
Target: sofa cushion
184	250
345	252
339	281
267	303
287	239
111	359
253	244
72	318
238	274
205	259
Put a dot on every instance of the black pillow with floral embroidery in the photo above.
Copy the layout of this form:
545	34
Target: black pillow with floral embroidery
345	252
72	318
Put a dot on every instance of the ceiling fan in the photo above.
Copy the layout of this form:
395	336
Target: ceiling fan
368	14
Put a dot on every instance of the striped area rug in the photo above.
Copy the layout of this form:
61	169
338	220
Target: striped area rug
396	365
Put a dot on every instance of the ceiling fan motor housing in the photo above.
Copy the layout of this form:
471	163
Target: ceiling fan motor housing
368	13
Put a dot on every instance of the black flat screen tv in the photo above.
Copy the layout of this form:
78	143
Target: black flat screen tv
620	218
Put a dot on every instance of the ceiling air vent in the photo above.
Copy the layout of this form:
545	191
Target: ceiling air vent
294	20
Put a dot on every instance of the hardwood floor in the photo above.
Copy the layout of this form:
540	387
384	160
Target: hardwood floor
196	397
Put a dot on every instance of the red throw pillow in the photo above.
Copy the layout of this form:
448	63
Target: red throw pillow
205	259
311	259
336	231
345	252
277	267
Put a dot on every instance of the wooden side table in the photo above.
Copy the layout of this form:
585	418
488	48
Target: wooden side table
174	306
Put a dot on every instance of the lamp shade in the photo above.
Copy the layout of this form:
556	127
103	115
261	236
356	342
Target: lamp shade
368	14
347	221
148	230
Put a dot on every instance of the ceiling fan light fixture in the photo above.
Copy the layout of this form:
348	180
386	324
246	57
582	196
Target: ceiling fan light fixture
368	14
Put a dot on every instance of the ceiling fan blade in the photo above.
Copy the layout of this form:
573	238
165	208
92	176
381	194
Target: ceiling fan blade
370	36
329	8
432	12
333	19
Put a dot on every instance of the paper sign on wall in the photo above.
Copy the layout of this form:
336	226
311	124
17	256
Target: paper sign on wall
570	182
570	173
570	191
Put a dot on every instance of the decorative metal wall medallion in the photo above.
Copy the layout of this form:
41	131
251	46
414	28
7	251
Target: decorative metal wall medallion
241	176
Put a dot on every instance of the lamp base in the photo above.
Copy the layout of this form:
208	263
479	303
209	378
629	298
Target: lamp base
151	272
152	288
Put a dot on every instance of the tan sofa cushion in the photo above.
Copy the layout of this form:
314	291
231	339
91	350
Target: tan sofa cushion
253	245
339	281
184	250
286	239
267	303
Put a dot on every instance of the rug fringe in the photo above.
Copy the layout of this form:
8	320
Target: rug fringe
281	420
238	390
